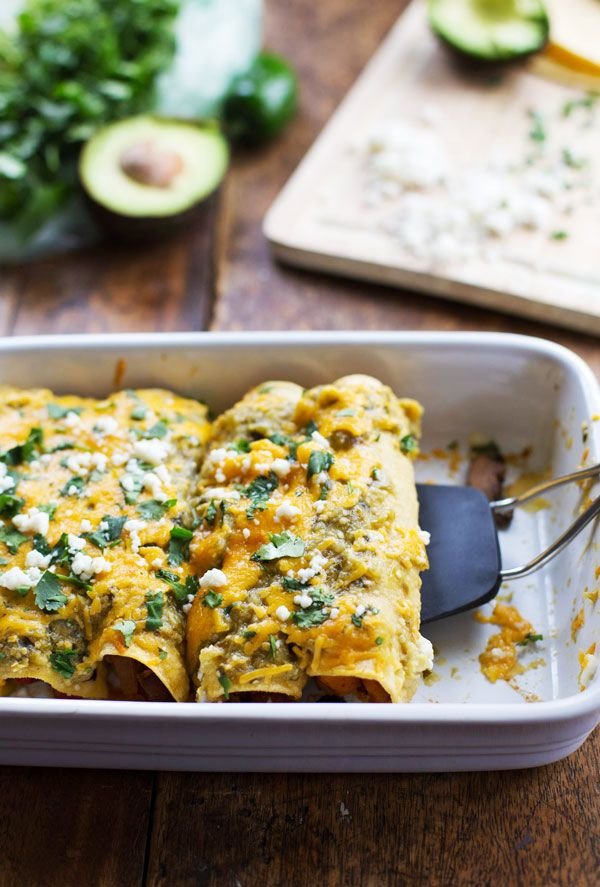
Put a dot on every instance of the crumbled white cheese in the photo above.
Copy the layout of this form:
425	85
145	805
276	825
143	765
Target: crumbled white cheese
106	425
319	506
82	463
157	563
334	613
264	467
34	521
6	481
424	536
133	527
303	600
119	458
360	610
162	472
217	456
85	566
220	477
75	543
286	510
320	440
589	669
153	484
281	467
128	483
86	526
317	563
213	579
72	419
37	559
17	578
282	613
246	533
153	451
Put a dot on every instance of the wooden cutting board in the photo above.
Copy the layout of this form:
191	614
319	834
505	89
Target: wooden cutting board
322	221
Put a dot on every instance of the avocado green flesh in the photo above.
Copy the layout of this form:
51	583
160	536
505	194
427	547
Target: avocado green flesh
200	150
495	30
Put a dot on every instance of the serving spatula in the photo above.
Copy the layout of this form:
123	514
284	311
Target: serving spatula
464	553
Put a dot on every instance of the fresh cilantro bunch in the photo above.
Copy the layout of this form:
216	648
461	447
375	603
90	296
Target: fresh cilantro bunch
72	66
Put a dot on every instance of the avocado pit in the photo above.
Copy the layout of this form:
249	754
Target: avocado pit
149	163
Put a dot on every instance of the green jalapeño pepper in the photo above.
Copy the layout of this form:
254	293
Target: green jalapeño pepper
261	101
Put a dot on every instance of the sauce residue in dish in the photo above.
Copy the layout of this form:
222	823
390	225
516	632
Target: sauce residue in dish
577	624
500	659
588	665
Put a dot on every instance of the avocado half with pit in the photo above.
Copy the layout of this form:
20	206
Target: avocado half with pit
491	30
146	175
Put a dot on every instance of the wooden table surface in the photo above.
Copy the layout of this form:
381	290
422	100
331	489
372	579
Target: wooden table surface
75	827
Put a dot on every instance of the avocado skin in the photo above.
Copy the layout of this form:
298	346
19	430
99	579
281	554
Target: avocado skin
140	229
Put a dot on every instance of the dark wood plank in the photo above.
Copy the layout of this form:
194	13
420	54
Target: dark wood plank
67	827
330	44
166	285
531	827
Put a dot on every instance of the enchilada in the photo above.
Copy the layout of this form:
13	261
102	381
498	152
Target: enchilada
93	541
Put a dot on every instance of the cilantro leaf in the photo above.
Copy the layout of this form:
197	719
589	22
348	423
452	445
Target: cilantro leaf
25	452
280	545
9	504
309	618
319	460
241	446
154	606
408	443
108	532
212	599
273	645
12	538
127	628
62	661
225	683
259	491
57	412
48	595
136	482
530	638
159	429
153	509
139	412
73	487
181	591
179	546
211	513
292	584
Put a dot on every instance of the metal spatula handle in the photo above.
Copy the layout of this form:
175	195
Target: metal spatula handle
591	512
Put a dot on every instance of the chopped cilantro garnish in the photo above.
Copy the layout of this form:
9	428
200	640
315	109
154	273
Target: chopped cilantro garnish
357	620
309	618
181	591
537	133
265	389
49	509
280	545
408	443
379	641
212	599
587	102
324	493
249	635
159	429
12	538
280	439
319	460
321	598
108	532
225	683
259	491
570	160
25	452
126	627
530	639
241	446
73	487
65	445
9	504
139	412
376	473
48	595
559	235
57	412
135	481
62	661
154	607
153	509
292	584
162	654
310	429
179	546
211	513
273	645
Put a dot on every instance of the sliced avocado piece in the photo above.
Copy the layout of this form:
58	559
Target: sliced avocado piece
145	173
492	30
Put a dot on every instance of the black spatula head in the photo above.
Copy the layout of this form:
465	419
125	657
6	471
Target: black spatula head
464	556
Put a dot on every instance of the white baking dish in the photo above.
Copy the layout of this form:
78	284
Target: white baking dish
520	391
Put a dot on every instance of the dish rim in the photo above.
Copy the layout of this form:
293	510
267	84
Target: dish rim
581	705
